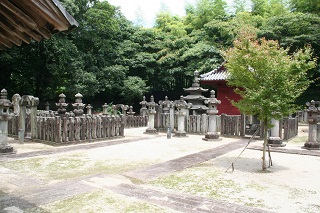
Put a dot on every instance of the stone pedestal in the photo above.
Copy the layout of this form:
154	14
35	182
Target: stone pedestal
180	132
212	111
274	140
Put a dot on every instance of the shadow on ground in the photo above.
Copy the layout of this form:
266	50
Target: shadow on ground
10	203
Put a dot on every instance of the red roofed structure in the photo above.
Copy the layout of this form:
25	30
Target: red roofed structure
218	79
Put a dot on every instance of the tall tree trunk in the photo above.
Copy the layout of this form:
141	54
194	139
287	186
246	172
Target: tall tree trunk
265	137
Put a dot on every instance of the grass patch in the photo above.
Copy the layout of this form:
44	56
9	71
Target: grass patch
208	182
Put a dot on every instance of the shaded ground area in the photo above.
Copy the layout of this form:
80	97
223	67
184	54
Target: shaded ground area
149	173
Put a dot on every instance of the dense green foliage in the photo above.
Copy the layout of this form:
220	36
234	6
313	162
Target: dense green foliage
109	59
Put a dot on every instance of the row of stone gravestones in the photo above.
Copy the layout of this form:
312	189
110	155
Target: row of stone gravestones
26	107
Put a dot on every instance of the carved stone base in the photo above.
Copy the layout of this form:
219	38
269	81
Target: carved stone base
311	145
275	142
6	149
211	137
180	134
151	131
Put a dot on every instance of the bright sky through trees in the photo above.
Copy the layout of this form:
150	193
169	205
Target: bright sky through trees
150	8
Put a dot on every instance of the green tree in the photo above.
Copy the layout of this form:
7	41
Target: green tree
133	88
267	77
295	30
306	6
204	11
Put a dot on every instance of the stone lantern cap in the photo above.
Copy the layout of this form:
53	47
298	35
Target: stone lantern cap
151	103
167	104
143	103
212	101
182	104
4	102
62	98
78	97
313	111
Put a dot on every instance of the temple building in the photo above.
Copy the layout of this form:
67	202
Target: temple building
217	78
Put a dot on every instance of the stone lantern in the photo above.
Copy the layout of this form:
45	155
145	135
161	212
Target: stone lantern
5	115
166	106
313	112
181	105
144	109
78	106
130	112
62	105
151	111
212	113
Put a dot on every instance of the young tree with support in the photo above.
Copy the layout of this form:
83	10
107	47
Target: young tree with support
267	77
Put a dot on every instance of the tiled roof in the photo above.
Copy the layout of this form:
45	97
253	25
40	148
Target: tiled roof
218	74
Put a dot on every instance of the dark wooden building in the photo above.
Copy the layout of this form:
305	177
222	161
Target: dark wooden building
217	78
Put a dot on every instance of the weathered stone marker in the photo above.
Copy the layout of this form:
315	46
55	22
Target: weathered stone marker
15	102
5	115
212	112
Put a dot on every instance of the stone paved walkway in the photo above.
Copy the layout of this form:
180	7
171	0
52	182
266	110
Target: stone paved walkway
161	169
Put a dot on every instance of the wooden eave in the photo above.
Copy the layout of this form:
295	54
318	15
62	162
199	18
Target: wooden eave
26	20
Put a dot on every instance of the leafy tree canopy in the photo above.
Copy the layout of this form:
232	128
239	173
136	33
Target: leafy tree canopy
267	77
